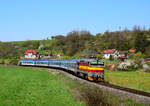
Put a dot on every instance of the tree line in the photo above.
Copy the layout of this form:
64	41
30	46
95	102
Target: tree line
83	44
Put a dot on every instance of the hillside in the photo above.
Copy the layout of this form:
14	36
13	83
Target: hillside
81	44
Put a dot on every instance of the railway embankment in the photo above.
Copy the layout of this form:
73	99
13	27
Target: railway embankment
123	95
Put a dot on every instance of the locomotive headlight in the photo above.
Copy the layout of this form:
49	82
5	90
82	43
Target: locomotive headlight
90	74
101	75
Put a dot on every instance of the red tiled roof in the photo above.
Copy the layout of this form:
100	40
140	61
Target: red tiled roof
147	60
132	51
30	51
123	57
109	50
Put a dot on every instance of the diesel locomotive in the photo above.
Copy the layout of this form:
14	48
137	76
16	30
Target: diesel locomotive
90	69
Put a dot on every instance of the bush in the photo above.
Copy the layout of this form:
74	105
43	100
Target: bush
111	58
14	61
136	62
9	61
99	56
1	61
147	70
95	97
124	66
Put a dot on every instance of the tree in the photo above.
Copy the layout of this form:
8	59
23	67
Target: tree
31	44
99	56
141	41
147	51
75	41
111	57
8	50
137	60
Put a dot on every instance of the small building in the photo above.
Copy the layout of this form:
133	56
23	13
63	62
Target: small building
31	54
132	51
123	58
110	52
59	55
147	60
123	54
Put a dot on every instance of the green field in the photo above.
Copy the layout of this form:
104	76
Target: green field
131	79
26	86
30	87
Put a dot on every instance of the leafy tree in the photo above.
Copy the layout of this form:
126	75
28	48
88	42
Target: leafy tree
99	56
7	50
31	44
141	41
111	58
138	60
147	51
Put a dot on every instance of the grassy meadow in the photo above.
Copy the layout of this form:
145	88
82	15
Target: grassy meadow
132	79
27	86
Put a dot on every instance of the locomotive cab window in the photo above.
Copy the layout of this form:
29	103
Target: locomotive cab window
97	63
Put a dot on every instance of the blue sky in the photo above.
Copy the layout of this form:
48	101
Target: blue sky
39	19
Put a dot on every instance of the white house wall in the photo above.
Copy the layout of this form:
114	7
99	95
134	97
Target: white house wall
115	55
30	55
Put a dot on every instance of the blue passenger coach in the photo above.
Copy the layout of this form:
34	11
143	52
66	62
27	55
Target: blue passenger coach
41	63
27	62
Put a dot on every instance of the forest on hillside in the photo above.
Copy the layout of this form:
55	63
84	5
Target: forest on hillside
82	44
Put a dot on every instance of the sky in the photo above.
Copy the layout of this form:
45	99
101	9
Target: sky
38	19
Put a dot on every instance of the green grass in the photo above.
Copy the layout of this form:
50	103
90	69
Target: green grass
131	79
24	86
94	96
30	87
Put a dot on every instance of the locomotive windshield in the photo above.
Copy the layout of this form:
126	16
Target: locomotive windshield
97	63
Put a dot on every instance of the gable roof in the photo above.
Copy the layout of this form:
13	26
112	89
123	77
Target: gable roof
109	51
34	52
123	57
132	51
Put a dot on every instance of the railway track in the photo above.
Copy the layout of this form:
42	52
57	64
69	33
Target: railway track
134	91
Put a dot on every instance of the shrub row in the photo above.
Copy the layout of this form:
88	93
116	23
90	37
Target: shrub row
9	61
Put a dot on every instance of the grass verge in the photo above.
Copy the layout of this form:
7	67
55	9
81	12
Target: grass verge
132	79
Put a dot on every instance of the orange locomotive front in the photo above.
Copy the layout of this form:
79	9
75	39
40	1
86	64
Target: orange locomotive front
94	70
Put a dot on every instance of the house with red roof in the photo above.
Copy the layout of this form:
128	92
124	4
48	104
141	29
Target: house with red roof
123	55
132	51
31	54
110	52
